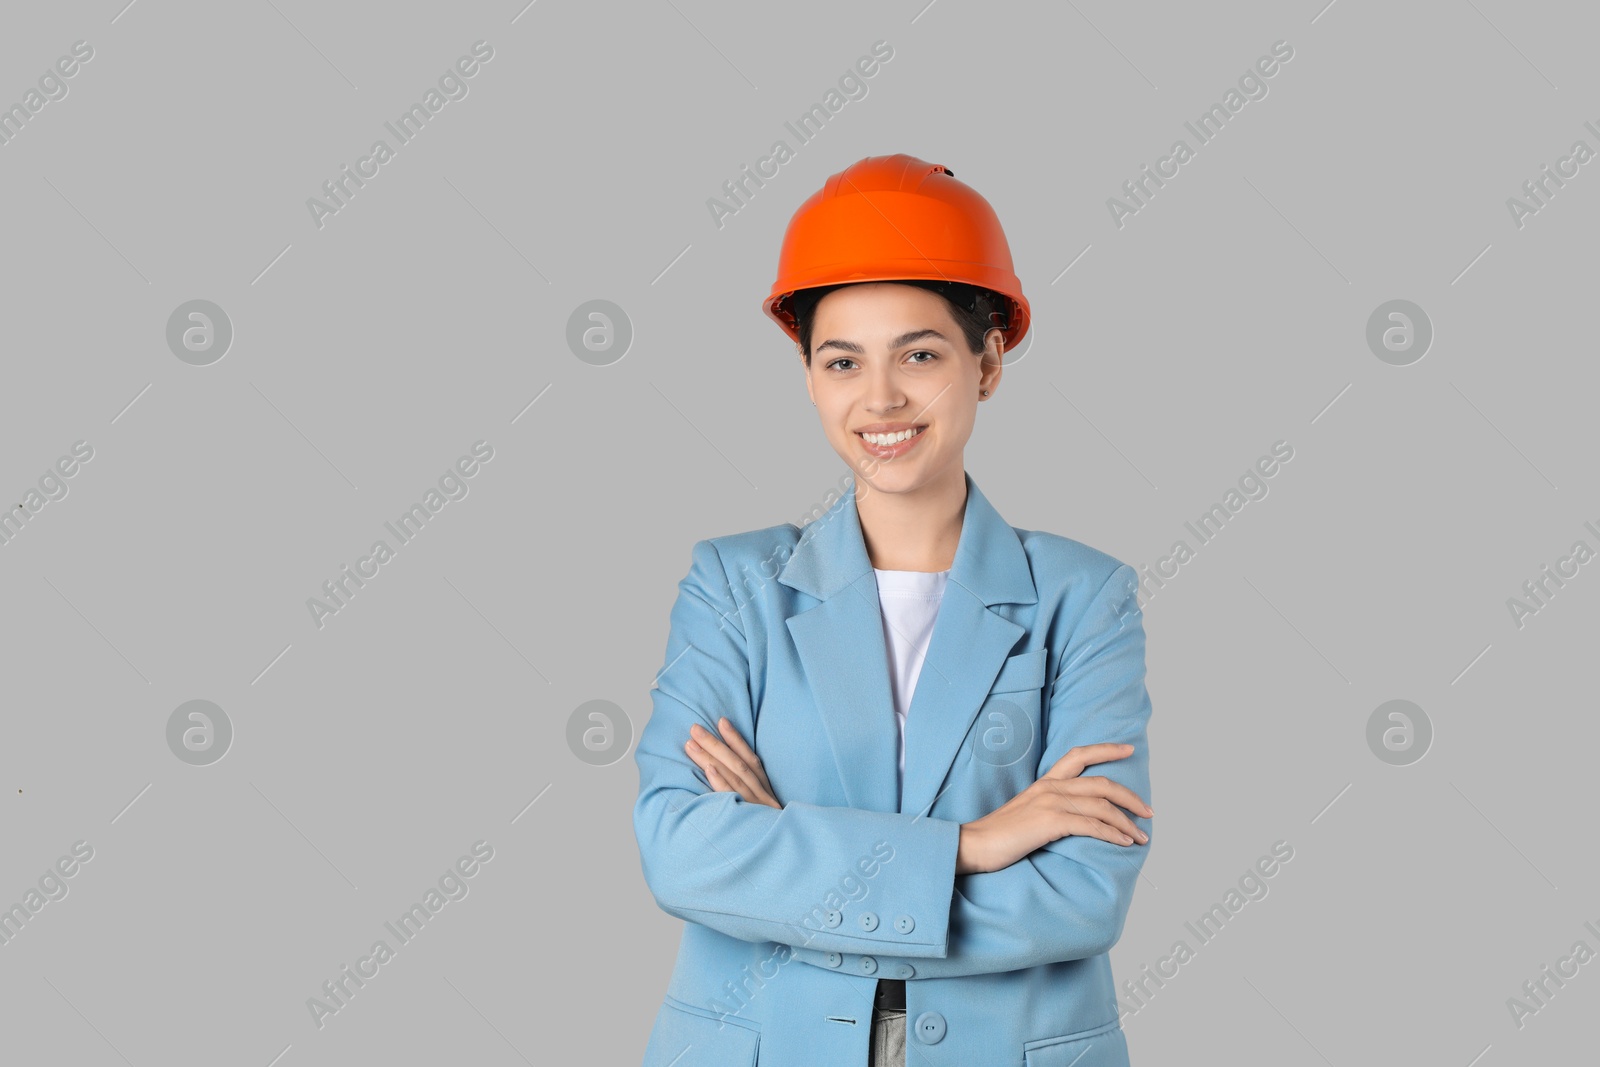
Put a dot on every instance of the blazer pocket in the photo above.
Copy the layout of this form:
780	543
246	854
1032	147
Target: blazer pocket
687	1036
1010	723
1021	672
1100	1046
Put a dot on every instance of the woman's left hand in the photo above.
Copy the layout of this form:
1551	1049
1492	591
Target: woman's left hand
730	765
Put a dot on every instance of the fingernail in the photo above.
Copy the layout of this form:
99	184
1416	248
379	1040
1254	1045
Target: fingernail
1126	840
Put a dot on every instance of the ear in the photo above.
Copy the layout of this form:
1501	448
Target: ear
801	355
994	348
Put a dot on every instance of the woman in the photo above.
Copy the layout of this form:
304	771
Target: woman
862	784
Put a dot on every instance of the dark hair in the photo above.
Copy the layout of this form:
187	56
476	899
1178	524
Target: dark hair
975	309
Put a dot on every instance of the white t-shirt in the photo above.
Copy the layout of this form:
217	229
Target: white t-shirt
910	603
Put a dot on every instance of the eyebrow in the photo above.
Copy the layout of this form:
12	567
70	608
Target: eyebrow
899	342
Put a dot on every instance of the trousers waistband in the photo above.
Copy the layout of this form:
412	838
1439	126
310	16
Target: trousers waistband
891	994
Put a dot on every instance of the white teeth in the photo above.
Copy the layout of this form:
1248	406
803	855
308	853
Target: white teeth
884	440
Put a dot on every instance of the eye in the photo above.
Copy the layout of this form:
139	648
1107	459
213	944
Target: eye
932	356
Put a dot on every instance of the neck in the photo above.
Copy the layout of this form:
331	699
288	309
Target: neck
913	531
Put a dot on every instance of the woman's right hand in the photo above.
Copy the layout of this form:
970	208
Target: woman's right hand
1060	804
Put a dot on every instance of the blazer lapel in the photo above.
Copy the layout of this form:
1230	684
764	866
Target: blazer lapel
842	649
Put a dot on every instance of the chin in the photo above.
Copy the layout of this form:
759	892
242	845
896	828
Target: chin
888	478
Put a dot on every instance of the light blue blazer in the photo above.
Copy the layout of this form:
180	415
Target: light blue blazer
794	914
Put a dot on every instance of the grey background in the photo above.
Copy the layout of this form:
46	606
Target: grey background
431	312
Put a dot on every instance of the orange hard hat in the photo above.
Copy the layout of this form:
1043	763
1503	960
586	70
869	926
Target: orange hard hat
895	218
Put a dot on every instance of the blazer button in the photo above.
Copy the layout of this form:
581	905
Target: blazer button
929	1028
832	918
904	970
834	959
869	921
868	965
904	924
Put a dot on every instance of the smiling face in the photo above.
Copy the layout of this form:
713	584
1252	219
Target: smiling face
887	359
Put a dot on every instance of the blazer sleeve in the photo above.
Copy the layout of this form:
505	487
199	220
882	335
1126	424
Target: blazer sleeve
1069	898
755	872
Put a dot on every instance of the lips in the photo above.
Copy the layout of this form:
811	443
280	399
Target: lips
899	448
890	433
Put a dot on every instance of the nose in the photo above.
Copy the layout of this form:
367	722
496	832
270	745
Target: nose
884	394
